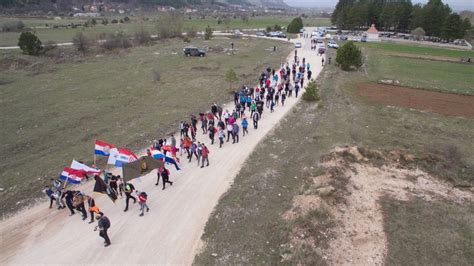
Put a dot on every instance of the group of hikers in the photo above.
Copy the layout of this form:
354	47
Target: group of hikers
275	86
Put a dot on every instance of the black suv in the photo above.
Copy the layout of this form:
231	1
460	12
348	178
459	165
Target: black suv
193	51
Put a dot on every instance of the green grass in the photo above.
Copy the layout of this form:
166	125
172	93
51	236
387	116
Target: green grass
417	49
265	186
420	73
66	35
428	233
52	113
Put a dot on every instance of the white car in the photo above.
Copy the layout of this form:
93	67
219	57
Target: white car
298	45
333	45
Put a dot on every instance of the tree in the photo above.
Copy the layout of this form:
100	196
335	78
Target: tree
418	33
231	77
311	93
208	33
277	27
349	56
295	25
29	43
81	42
170	25
452	28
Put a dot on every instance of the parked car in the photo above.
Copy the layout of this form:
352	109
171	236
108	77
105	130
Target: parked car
333	45
238	33
321	48
343	38
298	45
193	51
260	34
363	39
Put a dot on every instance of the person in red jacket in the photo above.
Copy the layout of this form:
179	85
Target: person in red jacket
204	155
142	197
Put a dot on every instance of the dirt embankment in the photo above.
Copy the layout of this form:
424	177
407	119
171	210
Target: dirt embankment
438	102
346	201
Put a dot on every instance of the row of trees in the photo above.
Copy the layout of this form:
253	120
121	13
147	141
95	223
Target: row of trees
436	18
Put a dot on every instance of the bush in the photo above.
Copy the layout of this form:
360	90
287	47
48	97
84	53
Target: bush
105	21
208	33
277	27
192	32
295	25
311	93
117	41
126	19
269	28
114	21
13	26
142	37
29	43
349	56
418	33
81	42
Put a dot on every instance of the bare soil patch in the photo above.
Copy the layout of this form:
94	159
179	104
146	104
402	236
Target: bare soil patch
349	195
438	102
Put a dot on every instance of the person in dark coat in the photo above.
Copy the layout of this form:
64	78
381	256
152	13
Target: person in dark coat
103	223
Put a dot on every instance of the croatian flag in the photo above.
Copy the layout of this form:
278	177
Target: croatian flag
157	154
167	158
72	176
103	148
120	156
84	168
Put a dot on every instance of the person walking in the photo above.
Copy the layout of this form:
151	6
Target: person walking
165	176
69	196
297	89
50	193
212	132
235	133
158	175
193	151
78	202
92	207
283	98
142	198
103	223
245	124
173	141
221	136
205	155
255	118
322	61
229	131
199	152
129	188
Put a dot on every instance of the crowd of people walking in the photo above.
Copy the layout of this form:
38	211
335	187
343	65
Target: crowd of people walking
228	125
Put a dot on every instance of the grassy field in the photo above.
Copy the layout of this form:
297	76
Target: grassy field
247	226
417	49
420	73
66	35
53	112
444	237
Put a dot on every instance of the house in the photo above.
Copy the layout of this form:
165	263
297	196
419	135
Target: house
372	34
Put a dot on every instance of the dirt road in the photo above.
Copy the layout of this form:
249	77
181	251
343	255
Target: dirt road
169	234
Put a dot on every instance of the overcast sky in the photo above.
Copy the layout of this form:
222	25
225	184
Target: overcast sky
456	5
